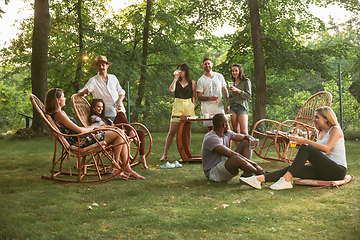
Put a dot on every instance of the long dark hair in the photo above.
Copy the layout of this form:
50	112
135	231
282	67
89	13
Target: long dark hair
241	74
51	100
185	67
92	112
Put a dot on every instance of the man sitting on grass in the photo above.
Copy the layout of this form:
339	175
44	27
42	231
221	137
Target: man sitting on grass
220	163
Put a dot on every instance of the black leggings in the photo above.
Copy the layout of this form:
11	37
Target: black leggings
321	167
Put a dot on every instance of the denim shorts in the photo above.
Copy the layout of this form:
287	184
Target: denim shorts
238	109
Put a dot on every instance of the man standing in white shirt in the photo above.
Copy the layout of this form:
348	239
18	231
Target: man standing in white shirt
210	88
107	87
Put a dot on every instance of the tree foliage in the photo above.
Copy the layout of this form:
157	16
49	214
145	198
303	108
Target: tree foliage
300	51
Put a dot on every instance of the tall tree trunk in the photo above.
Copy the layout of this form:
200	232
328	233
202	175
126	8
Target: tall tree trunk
142	81
39	59
354	89
79	72
259	64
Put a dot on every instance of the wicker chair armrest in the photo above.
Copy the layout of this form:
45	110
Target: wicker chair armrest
94	131
275	123
295	125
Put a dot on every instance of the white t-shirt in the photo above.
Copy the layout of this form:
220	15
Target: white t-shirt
108	92
209	157
211	87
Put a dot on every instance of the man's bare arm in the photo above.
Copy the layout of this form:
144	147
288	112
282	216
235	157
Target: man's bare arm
203	99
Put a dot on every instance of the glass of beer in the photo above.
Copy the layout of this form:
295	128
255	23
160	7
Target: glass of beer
292	143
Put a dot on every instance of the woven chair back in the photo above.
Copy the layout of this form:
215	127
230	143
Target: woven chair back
82	109
307	111
40	107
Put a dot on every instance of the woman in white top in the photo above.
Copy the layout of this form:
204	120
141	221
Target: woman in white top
327	156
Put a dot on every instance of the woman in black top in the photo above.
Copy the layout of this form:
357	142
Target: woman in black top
184	89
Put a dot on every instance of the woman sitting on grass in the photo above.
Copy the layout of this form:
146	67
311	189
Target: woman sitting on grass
97	118
327	156
54	101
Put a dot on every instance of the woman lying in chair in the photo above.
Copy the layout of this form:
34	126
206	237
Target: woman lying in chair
327	156
54	101
97	118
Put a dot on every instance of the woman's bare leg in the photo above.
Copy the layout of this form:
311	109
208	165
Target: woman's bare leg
113	137
120	151
174	126
235	123
243	122
188	135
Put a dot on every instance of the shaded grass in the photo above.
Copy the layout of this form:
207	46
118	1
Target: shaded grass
169	204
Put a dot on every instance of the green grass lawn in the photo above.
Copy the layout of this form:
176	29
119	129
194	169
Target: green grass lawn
169	204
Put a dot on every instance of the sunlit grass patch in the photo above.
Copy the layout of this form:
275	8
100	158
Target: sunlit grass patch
169	204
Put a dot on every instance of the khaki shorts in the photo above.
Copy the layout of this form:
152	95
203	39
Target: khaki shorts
219	173
182	107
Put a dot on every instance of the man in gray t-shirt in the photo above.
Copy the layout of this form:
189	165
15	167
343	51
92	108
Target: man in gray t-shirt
220	163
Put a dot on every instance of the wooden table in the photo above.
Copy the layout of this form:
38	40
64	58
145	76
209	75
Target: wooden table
181	138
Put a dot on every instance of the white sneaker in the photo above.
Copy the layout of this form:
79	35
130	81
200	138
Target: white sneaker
251	181
167	165
281	184
177	164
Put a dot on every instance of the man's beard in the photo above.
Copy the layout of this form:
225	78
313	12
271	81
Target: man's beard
225	130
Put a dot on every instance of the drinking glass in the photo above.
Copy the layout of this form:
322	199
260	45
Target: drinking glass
292	143
253	142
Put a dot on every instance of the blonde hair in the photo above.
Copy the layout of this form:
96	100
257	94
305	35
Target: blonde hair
328	113
51	100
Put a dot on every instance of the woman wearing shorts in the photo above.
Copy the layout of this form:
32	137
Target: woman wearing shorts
238	100
184	89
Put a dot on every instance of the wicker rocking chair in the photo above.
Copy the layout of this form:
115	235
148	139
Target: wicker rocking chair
82	110
274	144
94	163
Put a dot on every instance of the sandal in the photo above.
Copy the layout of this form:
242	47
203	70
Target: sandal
163	158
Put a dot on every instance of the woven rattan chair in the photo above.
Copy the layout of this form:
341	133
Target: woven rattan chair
274	144
94	163
82	110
